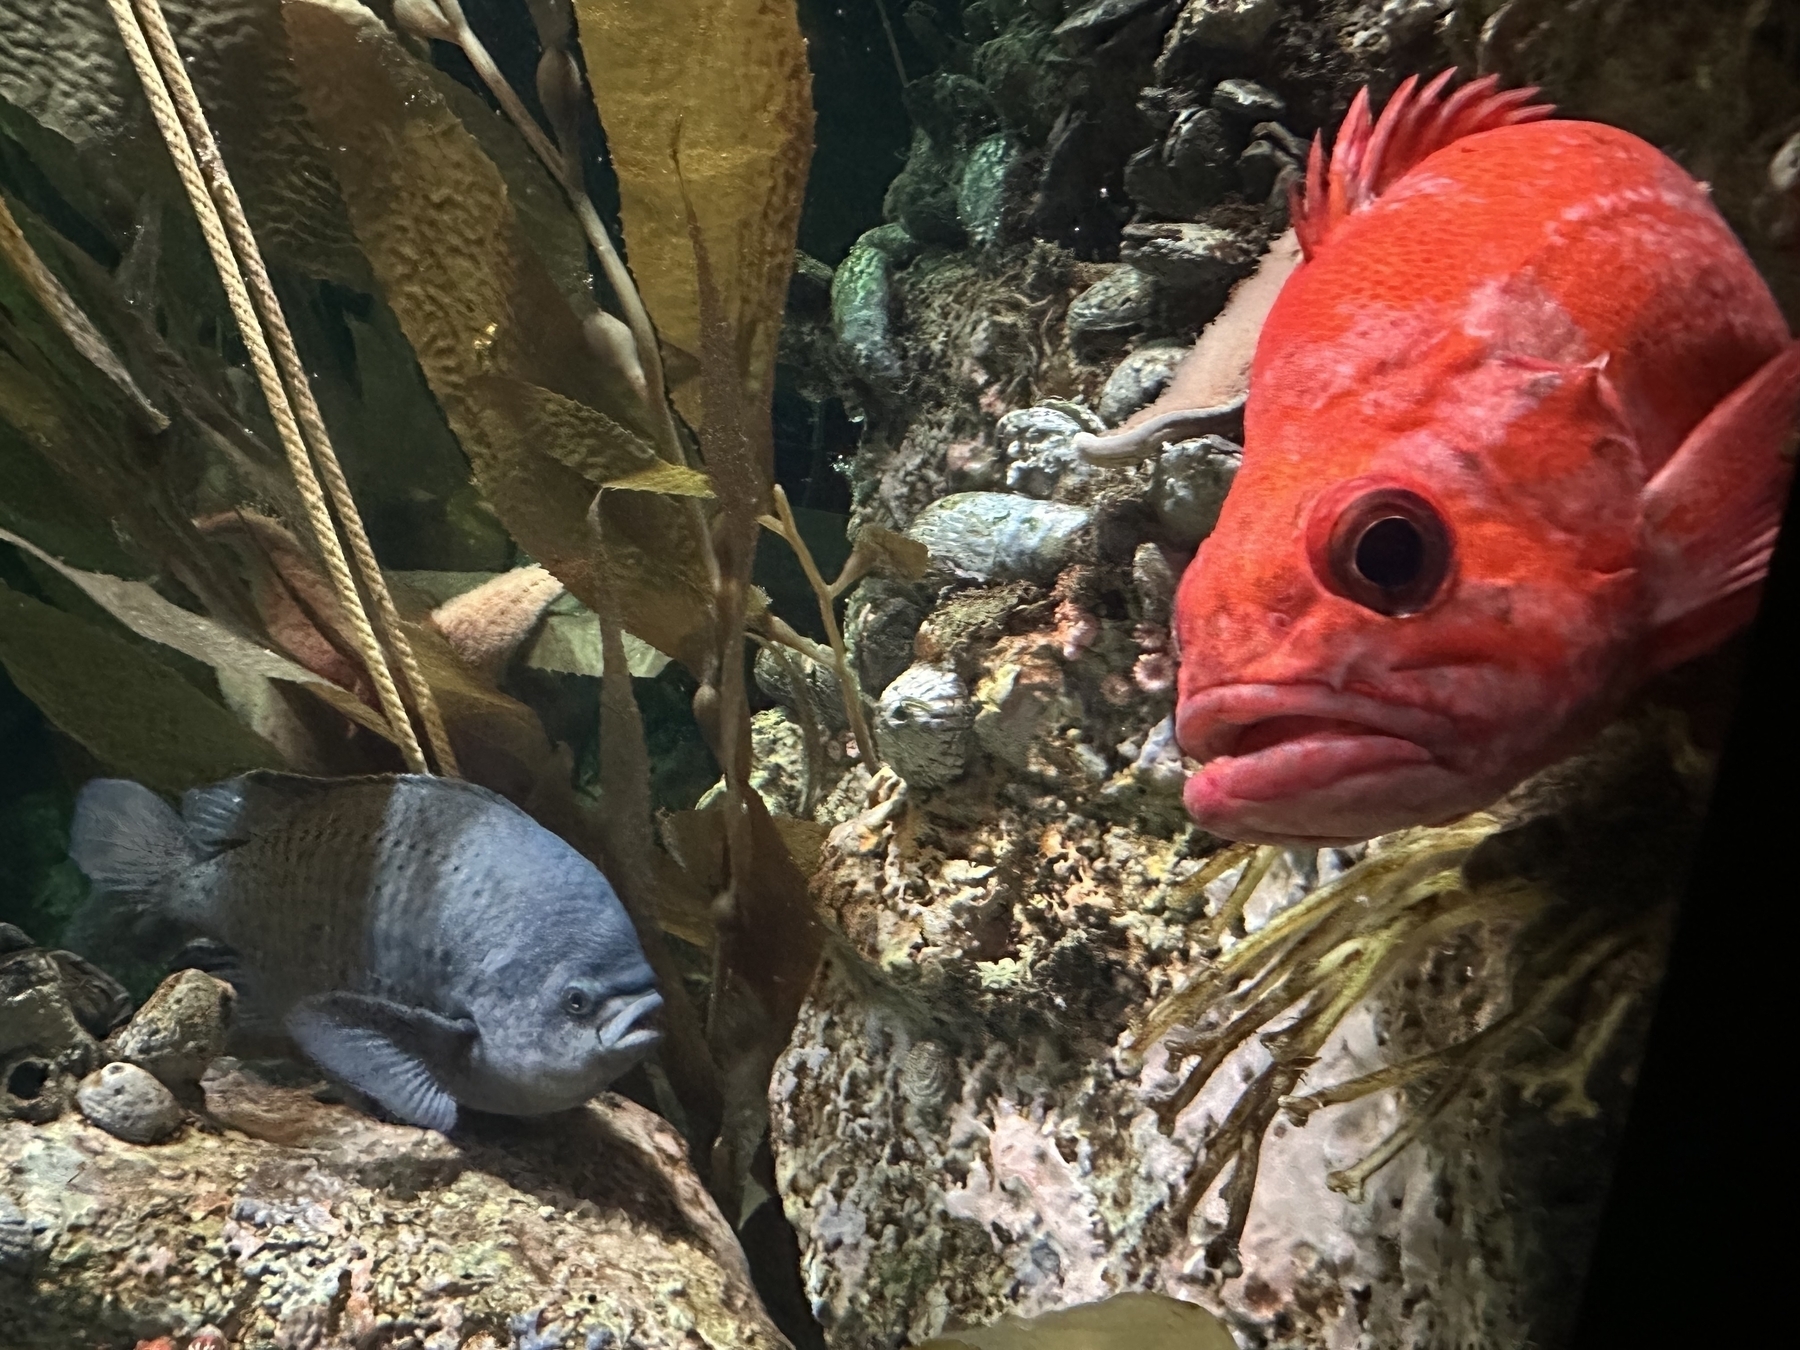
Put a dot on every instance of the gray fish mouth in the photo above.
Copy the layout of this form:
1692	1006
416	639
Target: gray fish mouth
631	1027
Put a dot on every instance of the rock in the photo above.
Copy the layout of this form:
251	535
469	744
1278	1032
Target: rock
305	1224
1139	378
774	676
1189	255
179	1031
44	1049
995	959
987	201
1212	26
1036	448
129	1104
1190	168
996	536
922	197
1189	483
861	298
1121	303
1260	167
922	725
98	1001
809	288
1154	579
879	622
1784	167
1094	23
1248	101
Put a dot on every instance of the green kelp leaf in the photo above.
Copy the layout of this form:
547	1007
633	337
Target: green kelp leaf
133	714
730	78
141	609
570	645
674	480
1133	1321
488	323
584	439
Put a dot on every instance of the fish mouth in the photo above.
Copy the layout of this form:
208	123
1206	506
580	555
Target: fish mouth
1304	763
631	1026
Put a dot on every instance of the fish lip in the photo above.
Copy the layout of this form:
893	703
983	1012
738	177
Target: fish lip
1210	722
621	1031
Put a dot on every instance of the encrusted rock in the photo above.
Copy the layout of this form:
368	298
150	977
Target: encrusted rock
179	1031
1139	378
1121	303
1189	255
1036	446
987	197
1248	101
1092	23
1260	167
1190	168
776	676
44	1049
997	536
860	319
1189	483
923	723
305	1224
1212	26
129	1104
880	620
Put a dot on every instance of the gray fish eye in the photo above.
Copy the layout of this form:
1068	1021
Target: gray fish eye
578	1002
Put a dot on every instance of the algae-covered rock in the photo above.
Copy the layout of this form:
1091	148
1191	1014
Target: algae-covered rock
289	1221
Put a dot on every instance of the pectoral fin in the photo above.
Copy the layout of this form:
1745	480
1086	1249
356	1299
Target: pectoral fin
1712	512
389	1051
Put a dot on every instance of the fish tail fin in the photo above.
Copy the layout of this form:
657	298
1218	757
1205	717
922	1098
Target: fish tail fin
125	838
1371	154
1711	514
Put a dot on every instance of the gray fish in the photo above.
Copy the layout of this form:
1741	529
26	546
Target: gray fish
421	939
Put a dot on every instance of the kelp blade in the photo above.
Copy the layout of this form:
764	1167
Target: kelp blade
725	83
1134	1321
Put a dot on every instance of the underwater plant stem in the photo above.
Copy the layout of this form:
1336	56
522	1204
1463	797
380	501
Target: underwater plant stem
893	46
847	684
564	165
254	306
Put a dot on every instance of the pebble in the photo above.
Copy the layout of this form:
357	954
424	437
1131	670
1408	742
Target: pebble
180	1029
1113	308
998	536
129	1104
1248	101
1188	255
1139	379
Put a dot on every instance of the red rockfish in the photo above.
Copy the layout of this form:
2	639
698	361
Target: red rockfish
1519	434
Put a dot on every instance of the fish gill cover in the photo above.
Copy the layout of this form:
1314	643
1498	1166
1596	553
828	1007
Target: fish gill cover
953	984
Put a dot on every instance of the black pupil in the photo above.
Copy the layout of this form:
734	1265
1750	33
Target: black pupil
1391	553
576	1001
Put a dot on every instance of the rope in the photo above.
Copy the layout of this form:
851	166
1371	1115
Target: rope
255	308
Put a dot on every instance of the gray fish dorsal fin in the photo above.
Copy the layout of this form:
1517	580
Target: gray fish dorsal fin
386	1050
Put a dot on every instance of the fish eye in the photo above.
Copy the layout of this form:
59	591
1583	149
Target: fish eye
578	1002
1389	551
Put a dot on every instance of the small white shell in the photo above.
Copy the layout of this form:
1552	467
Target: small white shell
922	725
997	536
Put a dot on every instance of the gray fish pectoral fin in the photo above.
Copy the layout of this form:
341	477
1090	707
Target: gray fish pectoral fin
385	1050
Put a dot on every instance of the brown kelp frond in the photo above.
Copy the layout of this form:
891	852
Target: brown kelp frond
1290	983
500	347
